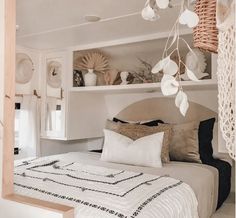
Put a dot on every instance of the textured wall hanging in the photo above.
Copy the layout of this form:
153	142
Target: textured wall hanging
24	68
226	72
54	73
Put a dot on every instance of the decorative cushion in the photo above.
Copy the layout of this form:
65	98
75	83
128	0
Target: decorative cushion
205	136
145	123
138	131
145	151
184	144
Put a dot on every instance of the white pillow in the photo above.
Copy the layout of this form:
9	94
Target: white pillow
145	151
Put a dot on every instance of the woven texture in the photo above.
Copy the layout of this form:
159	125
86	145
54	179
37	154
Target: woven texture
138	131
226	87
205	33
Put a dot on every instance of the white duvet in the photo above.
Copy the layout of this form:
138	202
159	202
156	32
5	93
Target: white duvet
100	192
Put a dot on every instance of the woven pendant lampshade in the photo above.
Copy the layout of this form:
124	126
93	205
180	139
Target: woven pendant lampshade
205	34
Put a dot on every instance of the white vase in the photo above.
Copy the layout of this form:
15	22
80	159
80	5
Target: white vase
90	78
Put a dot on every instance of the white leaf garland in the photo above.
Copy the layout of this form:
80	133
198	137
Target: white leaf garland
160	65
184	106
178	99
167	65
170	68
189	18
181	101
169	85
191	75
171	81
162	4
148	13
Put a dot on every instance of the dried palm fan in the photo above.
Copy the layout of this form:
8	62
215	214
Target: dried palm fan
94	60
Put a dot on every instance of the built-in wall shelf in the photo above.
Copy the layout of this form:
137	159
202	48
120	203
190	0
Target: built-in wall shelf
144	87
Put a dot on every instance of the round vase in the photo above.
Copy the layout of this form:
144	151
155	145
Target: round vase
90	78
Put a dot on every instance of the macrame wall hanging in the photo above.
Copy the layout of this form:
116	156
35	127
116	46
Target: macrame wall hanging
226	72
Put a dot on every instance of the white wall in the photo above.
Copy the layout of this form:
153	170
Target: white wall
51	147
11	209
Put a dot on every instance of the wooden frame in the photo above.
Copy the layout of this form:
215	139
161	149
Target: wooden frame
8	121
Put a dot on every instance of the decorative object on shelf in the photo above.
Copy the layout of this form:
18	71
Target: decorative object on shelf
78	79
196	65
90	78
171	80
205	33
124	76
150	10
110	76
107	78
144	73
138	78
54	69
24	68
118	80
226	72
93	60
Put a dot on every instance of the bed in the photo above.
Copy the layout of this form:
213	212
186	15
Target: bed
39	178
103	189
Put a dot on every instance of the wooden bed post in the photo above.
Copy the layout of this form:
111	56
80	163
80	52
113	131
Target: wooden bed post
8	120
9	93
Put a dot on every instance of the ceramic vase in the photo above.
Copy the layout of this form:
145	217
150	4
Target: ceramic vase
90	78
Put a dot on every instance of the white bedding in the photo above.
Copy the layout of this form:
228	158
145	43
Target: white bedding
98	189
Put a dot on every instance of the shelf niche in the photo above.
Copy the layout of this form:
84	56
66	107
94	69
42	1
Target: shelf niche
132	57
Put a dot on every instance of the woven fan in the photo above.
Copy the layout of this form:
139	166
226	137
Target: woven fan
95	61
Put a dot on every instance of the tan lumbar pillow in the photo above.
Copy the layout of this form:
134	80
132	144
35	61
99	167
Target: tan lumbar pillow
135	132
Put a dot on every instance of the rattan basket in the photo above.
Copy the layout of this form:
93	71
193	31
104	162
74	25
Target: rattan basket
205	34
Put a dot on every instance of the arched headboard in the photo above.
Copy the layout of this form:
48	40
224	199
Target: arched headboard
164	109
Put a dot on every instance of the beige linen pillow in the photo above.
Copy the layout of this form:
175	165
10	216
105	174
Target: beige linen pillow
135	132
184	144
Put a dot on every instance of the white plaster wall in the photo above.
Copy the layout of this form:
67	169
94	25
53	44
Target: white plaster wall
51	147
116	103
11	209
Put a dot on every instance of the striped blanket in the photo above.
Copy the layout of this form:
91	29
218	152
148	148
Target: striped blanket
99	192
